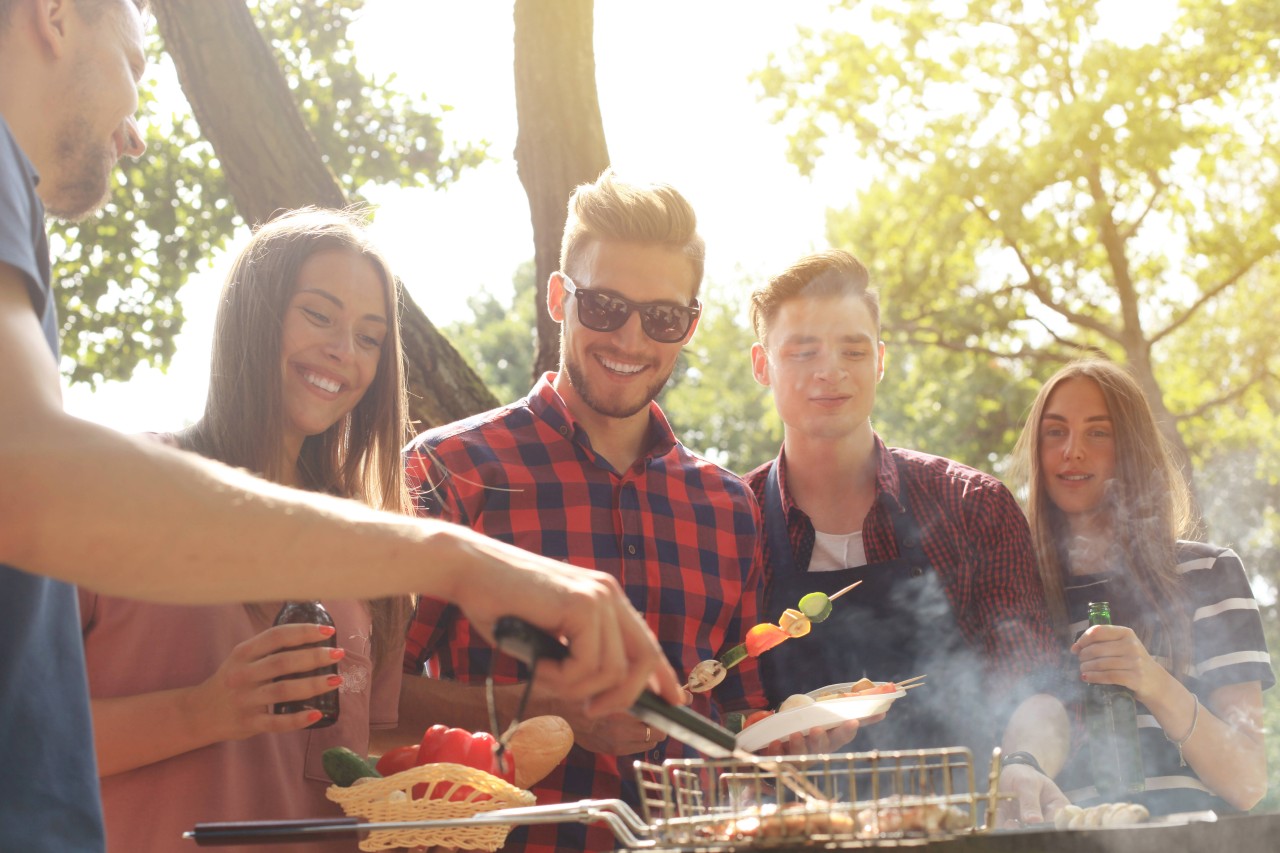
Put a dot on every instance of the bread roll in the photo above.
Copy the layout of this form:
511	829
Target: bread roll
539	744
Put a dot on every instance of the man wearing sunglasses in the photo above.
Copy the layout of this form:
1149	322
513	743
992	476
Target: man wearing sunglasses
586	469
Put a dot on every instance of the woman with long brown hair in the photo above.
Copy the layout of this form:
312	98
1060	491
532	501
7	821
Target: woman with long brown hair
307	390
1108	510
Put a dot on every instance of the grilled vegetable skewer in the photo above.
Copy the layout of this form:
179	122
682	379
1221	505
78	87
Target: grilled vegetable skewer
814	607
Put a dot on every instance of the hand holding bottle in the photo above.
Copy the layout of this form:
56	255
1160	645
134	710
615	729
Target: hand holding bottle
1113	654
237	701
1110	713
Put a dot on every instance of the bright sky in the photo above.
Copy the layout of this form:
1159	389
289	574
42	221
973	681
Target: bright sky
677	106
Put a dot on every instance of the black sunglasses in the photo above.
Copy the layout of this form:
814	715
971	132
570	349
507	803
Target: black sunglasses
605	312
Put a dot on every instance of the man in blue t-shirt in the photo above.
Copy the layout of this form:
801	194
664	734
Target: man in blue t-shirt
152	522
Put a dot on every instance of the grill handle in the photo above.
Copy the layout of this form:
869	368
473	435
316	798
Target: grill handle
272	831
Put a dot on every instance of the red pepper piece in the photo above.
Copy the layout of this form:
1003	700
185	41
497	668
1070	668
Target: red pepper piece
395	760
763	637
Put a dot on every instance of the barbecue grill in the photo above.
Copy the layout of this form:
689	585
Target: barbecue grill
844	800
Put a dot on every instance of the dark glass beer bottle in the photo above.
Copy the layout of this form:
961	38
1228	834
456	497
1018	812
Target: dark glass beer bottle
1111	720
311	613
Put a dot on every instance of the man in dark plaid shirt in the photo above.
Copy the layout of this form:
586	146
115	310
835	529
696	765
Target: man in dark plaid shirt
586	469
949	588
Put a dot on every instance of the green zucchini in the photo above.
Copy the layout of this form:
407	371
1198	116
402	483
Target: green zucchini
734	656
345	767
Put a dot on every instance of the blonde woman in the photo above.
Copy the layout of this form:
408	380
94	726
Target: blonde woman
307	390
1108	508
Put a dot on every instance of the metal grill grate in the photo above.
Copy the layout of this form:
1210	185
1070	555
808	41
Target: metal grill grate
881	798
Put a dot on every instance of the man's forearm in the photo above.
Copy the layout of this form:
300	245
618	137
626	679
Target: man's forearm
1040	726
212	533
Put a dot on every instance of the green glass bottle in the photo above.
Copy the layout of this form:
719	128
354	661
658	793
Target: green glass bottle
1111	721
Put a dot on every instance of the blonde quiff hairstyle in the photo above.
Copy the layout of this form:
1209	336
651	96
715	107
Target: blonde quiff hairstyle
616	210
1148	501
243	421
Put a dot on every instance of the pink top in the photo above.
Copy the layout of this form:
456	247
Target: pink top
134	647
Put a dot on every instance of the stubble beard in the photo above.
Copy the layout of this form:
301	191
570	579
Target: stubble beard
84	183
578	379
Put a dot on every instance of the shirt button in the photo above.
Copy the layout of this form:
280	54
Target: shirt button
631	549
564	430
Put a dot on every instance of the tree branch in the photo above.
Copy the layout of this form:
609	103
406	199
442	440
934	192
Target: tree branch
1210	294
1036	284
1156	193
1260	376
924	335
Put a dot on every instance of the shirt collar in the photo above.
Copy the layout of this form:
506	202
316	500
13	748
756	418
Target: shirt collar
888	482
547	404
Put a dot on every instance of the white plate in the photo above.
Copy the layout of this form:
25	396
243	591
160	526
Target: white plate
824	714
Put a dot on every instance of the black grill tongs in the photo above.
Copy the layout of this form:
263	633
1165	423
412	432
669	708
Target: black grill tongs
528	644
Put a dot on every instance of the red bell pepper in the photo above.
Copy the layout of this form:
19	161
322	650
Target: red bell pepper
443	745
763	637
395	760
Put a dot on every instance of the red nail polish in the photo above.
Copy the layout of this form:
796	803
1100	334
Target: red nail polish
337	654
327	630
312	716
334	680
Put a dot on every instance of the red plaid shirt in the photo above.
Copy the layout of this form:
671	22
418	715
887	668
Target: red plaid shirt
678	532
976	539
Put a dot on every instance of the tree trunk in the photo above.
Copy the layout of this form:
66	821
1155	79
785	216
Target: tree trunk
272	162
561	137
1139	362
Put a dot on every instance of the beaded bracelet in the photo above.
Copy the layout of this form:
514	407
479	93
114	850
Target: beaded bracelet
1195	715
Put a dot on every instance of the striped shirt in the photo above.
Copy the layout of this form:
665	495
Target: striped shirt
1228	647
678	532
976	539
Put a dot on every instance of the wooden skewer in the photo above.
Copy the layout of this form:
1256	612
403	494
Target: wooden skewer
843	591
911	686
909	680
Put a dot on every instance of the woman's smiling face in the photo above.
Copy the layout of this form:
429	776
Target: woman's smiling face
331	341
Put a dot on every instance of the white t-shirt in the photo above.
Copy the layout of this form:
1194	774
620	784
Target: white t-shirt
834	551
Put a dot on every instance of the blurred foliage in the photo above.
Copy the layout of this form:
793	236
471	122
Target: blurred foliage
1035	190
713	401
118	273
500	340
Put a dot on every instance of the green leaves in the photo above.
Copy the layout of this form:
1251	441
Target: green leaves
368	131
1040	188
501	340
715	405
117	275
